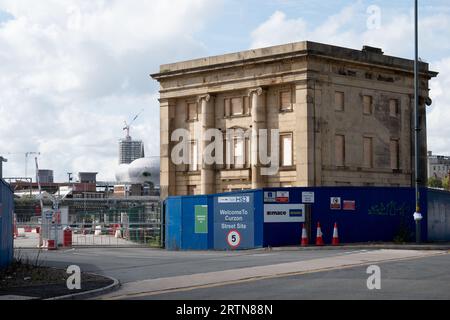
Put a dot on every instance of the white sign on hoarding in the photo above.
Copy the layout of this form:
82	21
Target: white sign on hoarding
282	196
270	196
335	203
238	199
284	213
308	197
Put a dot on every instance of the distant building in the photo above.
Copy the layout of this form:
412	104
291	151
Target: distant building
438	166
87	177
45	176
130	150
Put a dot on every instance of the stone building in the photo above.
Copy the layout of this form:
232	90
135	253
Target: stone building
345	117
438	166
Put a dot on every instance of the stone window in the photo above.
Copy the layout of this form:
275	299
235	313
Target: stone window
239	153
192	111
286	150
339	150
395	152
237	107
368	152
247	105
394	108
191	190
339	101
193	156
367	105
286	100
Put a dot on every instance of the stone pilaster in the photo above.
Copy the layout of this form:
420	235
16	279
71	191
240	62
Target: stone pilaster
207	107
258	107
305	142
167	168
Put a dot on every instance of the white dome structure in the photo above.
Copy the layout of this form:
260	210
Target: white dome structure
139	171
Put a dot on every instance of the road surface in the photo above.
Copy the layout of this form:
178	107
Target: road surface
261	274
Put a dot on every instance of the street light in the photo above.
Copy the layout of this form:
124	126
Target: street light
417	215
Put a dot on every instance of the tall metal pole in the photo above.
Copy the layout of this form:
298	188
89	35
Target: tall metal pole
417	215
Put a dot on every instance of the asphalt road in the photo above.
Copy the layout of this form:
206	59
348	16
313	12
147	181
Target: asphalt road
427	278
424	278
134	264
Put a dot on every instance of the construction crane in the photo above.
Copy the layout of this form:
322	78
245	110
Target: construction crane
27	154
128	125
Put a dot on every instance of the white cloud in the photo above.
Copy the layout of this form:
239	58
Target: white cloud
73	71
395	36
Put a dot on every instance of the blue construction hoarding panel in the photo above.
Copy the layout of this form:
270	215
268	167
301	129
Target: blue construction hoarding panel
6	224
234	221
362	214
274	217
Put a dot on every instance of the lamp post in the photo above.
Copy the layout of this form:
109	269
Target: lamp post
417	215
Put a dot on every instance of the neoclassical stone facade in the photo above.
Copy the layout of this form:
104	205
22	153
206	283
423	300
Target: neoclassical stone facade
345	117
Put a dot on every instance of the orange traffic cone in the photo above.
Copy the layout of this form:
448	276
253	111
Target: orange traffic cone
335	241
319	237
305	241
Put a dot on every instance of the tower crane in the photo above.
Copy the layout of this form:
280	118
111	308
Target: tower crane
27	154
128	125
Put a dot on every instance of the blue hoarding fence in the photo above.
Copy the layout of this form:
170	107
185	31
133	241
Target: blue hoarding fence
6	224
274	217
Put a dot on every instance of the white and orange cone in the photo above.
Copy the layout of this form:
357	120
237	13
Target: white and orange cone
305	241
335	241
319	237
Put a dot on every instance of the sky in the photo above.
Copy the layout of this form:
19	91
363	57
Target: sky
72	71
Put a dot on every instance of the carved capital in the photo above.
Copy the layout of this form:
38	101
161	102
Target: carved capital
205	97
258	91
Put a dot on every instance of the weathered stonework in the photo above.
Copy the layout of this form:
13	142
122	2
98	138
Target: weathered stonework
312	73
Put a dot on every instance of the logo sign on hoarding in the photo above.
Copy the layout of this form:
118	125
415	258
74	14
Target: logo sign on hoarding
282	196
350	205
307	197
239	199
284	213
270	196
234	222
335	203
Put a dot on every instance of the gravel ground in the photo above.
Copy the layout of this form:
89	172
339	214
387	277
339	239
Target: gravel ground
23	279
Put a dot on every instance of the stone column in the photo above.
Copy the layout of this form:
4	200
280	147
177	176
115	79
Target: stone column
258	105
307	162
208	177
167	168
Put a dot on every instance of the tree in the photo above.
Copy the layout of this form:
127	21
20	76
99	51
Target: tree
446	183
434	182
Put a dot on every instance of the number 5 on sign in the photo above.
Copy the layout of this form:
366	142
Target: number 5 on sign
234	239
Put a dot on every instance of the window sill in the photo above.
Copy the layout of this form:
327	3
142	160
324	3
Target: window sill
288	168
237	116
286	111
191	120
193	173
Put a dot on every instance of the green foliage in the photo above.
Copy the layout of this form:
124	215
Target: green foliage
446	183
434	182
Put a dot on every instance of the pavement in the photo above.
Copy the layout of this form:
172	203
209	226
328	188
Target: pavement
160	274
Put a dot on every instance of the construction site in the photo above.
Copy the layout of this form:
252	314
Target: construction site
87	212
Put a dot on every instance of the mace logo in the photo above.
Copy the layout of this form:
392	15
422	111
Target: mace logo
374	281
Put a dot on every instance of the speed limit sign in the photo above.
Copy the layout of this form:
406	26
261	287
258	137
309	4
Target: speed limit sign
234	238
